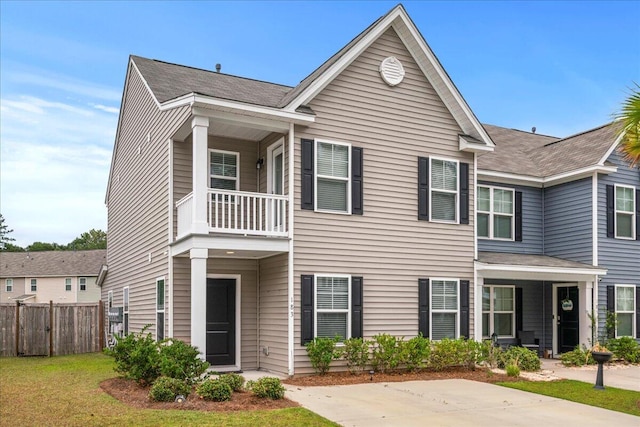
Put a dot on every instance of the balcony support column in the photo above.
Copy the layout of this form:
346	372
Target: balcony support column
200	126
199	300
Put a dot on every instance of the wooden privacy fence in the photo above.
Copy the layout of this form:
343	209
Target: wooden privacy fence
51	329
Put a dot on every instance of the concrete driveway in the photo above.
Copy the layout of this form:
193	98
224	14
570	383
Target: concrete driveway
448	403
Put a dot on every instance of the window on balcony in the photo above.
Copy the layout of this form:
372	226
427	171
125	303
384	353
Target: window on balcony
223	170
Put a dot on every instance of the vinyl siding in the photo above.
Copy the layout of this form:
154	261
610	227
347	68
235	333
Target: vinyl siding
92	294
138	201
18	289
387	245
531	224
567	221
620	257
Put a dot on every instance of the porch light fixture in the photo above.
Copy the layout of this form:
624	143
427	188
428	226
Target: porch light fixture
259	163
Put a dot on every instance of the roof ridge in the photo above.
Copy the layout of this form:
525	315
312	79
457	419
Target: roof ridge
578	134
523	131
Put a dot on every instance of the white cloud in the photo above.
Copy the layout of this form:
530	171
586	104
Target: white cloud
105	108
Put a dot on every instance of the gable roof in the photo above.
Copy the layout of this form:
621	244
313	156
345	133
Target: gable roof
542	156
52	263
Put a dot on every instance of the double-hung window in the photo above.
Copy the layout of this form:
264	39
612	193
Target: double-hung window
625	310
445	309
498	311
495	209
625	212
444	190
125	310
333	177
34	285
223	170
8	285
160	309
67	284
332	306
83	283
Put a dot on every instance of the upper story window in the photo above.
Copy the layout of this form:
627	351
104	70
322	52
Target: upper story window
625	207
332	306
83	283
34	285
67	284
8	285
495	213
443	191
625	307
333	178
223	170
109	299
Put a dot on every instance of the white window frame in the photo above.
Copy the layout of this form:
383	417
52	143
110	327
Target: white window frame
315	303
632	214
8	285
80	284
492	214
109	299
632	311
492	311
125	310
68	285
456	192
158	310
432	310
316	175
236	178
32	283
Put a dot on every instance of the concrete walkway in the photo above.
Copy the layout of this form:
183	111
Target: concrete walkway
620	376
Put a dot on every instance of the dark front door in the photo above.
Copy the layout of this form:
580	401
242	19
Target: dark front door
221	321
568	321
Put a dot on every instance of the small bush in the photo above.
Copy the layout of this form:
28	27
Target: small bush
136	356
524	358
356	353
322	351
513	371
215	390
415	352
166	389
235	381
446	353
267	388
180	360
490	353
579	356
625	348
386	352
472	353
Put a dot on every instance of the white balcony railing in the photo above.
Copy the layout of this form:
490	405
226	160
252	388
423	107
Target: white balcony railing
238	212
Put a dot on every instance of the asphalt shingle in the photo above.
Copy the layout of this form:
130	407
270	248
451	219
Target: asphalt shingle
52	263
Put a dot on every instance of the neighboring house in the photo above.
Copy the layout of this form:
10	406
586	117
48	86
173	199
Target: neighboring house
58	276
248	217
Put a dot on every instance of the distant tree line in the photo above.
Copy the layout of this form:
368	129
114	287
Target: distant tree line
92	239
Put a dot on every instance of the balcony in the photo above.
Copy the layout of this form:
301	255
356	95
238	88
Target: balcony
238	213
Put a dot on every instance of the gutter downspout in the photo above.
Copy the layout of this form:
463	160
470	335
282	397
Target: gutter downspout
290	290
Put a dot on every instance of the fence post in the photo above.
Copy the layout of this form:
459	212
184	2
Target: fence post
17	328
101	324
50	328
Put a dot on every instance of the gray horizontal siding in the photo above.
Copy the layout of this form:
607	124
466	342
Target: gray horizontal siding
273	314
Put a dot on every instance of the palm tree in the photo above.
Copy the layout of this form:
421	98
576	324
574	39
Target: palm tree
630	119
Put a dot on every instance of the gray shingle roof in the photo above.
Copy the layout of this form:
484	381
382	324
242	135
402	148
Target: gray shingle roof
530	260
52	263
541	156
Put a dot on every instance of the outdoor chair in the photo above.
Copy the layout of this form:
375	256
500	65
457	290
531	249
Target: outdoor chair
528	340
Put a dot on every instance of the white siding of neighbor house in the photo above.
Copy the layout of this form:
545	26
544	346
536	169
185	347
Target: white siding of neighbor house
138	201
387	245
18	289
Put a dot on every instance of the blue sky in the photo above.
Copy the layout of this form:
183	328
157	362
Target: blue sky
563	67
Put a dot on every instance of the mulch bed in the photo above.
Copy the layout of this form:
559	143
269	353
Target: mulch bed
131	393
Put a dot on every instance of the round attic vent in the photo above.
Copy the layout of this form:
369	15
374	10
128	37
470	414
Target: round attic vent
392	71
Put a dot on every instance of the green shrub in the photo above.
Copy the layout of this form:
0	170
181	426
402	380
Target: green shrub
235	381
215	390
415	352
267	388
137	357
490	353
386	352
180	360
472	353
522	357
513	371
322	351
356	353
579	356
625	348
166	389
446	353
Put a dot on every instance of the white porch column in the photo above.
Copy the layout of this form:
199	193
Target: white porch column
477	308
199	299
200	126
584	303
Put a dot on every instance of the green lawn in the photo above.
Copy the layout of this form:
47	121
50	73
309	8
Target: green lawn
576	391
65	390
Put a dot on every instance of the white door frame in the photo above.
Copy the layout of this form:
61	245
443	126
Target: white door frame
238	365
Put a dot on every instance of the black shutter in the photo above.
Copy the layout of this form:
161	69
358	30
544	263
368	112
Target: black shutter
610	211
518	216
306	282
464	308
611	306
637	221
423	188
519	321
356	307
637	310
307	174
423	307
356	181
464	193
